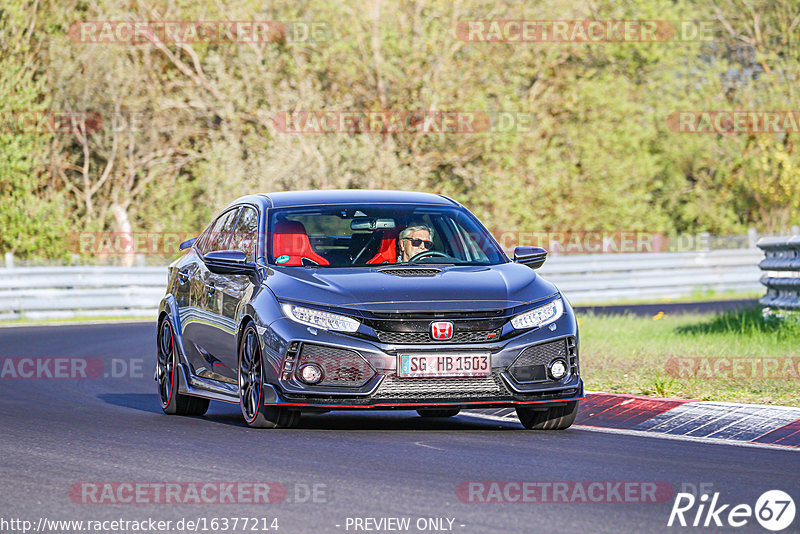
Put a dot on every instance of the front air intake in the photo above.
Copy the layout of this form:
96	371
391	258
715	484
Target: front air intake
531	364
340	367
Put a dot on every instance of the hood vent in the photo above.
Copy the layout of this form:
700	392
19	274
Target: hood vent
411	271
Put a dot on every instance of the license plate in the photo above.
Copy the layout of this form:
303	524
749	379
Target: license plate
419	365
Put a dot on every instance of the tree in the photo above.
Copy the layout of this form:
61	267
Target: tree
32	216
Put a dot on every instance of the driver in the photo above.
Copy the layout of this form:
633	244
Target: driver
413	240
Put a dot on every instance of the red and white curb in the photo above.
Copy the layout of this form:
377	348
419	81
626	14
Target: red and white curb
680	418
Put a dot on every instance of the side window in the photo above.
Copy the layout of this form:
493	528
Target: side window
220	236
202	240
244	236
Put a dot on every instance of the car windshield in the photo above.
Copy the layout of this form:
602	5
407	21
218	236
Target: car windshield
365	235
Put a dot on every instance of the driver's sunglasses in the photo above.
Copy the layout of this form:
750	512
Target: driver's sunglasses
416	242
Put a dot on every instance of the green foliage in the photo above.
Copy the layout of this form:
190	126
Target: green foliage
32	219
596	154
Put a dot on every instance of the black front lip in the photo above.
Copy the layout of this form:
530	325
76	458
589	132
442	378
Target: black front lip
366	403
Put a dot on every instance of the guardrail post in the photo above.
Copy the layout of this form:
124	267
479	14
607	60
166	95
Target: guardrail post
9	260
705	241
752	237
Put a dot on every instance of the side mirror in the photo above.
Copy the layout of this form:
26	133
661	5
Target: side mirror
188	243
229	262
533	257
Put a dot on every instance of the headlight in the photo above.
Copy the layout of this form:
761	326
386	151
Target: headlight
543	315
320	319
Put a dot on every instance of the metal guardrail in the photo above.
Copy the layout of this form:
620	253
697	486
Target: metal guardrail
608	278
63	292
781	266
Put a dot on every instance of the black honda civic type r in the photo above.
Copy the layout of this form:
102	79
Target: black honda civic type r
352	300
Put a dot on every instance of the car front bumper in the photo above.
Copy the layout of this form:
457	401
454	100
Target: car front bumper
384	390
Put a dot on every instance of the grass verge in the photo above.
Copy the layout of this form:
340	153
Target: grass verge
696	296
734	356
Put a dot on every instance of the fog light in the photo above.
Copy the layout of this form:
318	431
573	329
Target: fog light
557	369
310	373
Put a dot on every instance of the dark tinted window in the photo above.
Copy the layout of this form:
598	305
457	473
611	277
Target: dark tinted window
202	240
246	233
220	235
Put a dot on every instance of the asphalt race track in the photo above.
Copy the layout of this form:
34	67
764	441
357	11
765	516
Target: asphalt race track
57	433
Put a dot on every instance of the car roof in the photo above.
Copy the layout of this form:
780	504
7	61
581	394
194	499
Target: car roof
355	196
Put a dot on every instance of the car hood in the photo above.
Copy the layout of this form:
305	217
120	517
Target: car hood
455	288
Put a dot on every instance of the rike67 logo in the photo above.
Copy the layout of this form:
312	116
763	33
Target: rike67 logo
774	510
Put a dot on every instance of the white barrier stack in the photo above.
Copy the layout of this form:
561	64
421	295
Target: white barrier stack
781	266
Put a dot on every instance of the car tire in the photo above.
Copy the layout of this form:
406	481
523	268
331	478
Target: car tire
554	418
439	412
251	387
172	402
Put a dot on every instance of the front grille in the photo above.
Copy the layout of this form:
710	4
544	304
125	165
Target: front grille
531	364
341	367
411	272
442	388
542	354
463	336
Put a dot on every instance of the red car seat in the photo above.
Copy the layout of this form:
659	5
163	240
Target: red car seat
387	253
289	238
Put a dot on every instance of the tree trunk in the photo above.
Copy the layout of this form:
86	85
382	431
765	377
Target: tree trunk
122	225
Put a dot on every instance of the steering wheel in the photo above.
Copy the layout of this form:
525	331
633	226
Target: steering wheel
428	254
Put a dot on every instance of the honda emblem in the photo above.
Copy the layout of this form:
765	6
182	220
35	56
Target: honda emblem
442	330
